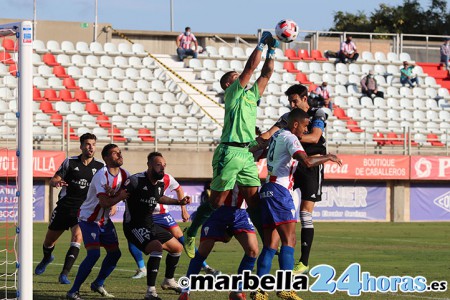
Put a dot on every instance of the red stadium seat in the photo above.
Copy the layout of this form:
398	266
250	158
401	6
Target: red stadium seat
290	53
317	55
145	135
81	96
50	95
393	139
434	140
6	58
303	54
312	87
378	137
92	109
47	107
13	69
340	113
9	45
116	135
73	135
290	67
70	83
301	77
66	96
50	60
103	121
60	72
56	119
37	95
352	125
413	143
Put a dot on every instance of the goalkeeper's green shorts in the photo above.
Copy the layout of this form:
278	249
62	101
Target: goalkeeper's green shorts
233	165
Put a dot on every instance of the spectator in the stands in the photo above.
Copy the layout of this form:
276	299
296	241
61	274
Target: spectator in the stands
407	76
323	91
348	52
184	44
369	86
445	52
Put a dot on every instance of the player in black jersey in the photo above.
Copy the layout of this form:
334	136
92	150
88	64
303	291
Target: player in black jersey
73	177
309	180
145	192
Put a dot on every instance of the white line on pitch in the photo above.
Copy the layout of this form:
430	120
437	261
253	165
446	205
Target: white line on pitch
379	239
417	296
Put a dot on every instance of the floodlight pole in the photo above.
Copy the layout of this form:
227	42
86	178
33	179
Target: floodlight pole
34	20
96	20
171	15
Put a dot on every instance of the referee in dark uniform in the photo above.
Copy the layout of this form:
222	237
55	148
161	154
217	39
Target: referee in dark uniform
73	177
145	192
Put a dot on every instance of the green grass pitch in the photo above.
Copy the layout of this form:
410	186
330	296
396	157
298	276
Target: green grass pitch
381	249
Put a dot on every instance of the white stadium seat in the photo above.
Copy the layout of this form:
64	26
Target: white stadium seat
83	48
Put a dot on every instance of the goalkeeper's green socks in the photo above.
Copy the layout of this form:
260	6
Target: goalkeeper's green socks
203	212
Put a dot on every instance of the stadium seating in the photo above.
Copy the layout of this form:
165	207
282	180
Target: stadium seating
9	45
95	85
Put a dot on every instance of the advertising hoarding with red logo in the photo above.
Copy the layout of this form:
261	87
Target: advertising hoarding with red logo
430	167
369	167
361	167
45	163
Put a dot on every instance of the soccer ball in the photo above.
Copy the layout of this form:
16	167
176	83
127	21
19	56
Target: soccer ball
286	30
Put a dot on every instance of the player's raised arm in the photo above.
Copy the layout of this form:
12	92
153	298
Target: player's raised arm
254	59
170	201
57	181
267	69
106	201
318	127
184	213
312	161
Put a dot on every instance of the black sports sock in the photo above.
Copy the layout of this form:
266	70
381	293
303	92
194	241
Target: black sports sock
255	215
47	252
71	256
171	264
307	236
152	267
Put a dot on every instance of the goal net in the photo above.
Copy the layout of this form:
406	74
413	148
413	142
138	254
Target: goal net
16	156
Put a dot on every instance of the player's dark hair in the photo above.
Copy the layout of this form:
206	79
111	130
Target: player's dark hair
152	155
297	115
298	89
187	28
225	78
87	136
107	149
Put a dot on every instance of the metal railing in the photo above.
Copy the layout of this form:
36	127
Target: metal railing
158	136
421	47
392	140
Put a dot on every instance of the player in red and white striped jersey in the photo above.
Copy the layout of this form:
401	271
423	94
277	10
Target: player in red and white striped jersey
96	226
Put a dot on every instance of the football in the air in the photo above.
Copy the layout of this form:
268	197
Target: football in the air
286	30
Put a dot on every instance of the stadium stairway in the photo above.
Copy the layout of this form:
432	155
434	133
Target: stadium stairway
441	75
208	100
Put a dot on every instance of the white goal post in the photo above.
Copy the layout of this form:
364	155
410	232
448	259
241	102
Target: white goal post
24	34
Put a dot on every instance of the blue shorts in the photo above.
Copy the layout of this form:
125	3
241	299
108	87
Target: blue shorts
95	234
277	205
165	221
226	219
